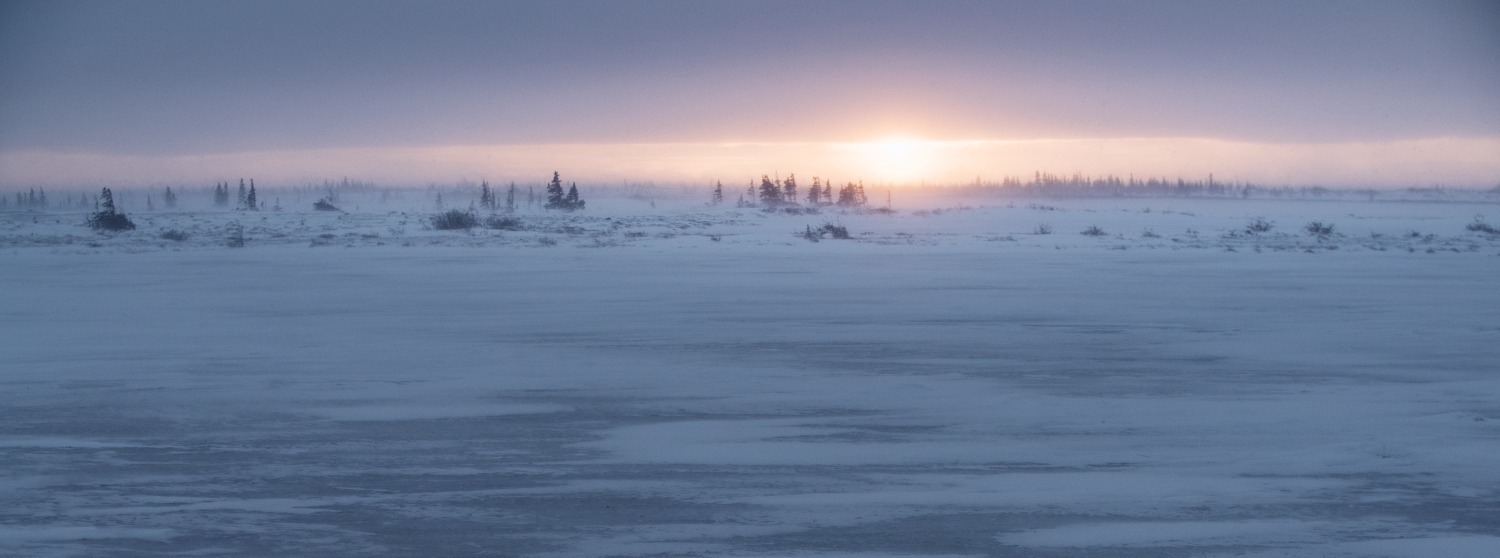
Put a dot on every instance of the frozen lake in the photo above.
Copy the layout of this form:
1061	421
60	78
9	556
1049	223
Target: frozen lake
692	382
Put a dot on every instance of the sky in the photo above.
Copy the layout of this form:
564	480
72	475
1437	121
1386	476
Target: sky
1340	93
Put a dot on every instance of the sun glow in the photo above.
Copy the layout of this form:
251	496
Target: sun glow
896	159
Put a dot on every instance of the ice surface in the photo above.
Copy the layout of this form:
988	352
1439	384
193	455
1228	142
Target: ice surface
687	381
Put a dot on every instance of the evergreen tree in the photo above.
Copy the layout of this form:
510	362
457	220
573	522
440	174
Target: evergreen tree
852	195
510	199
169	199
718	196
572	200
107	219
486	197
789	190
557	199
250	197
240	201
815	192
555	194
149	206
770	193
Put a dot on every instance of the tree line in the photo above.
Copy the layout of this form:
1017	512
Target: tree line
778	192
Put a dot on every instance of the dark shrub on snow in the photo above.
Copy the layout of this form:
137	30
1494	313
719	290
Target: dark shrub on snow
454	219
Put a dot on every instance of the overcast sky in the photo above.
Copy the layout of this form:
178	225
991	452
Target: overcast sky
172	79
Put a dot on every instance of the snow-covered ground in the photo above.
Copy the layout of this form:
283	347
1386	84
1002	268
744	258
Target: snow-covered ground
668	379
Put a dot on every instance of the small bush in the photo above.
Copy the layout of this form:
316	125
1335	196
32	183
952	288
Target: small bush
504	223
1318	228
324	205
1480	226
837	231
546	241
174	235
1042	229
1093	230
236	235
1150	234
454	219
1259	225
811	235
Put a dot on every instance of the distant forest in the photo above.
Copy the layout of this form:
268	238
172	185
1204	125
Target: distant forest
766	192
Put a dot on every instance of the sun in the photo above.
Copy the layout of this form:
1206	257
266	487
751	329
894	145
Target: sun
897	149
897	158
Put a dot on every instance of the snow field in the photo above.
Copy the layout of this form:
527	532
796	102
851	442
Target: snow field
945	384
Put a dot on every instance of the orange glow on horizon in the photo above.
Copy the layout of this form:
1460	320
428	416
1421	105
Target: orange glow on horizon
885	161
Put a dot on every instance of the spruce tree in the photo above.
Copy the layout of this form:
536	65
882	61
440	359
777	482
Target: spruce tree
770	193
486	199
169	199
846	195
718	196
107	219
572	200
555	194
789	189
250	198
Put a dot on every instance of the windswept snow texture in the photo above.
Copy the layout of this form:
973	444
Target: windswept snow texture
690	381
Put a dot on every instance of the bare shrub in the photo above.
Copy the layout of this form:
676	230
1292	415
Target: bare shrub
236	235
837	231
454	219
1042	229
174	235
1480	226
1259	225
324	205
504	223
1093	230
1318	228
